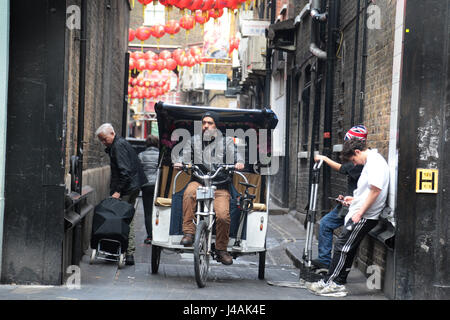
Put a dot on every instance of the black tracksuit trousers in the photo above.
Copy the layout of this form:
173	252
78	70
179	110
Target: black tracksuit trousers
345	250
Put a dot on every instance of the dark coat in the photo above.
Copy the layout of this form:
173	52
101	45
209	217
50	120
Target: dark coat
126	170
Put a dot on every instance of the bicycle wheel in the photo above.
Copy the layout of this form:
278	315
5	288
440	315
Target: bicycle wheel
201	257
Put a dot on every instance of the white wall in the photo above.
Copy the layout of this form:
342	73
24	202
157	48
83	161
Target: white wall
278	105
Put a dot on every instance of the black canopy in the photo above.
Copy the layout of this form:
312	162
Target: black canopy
171	117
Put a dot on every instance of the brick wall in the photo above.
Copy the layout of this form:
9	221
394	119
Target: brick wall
376	104
107	40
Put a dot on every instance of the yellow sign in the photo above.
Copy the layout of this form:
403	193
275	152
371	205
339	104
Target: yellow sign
427	180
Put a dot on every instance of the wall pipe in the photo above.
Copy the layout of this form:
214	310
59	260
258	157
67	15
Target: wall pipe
316	16
333	28
81	98
363	66
273	8
355	65
4	66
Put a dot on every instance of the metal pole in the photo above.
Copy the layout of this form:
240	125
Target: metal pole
81	96
4	62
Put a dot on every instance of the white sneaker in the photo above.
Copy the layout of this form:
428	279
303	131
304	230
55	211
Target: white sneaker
316	286
332	289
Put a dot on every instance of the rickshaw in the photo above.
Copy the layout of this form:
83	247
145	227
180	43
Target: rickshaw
249	190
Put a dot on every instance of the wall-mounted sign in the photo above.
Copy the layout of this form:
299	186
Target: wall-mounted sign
215	81
253	28
427	180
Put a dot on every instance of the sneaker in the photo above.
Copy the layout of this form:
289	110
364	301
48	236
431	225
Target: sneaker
332	289
316	286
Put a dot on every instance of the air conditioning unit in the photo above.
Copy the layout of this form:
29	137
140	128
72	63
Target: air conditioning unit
257	51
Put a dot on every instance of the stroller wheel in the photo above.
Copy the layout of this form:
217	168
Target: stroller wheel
121	261
93	255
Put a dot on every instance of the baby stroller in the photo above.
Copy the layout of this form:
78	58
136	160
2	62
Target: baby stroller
110	230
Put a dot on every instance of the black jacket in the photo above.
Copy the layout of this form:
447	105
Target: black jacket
126	170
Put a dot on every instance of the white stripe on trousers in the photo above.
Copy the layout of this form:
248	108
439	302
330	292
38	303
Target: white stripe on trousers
346	248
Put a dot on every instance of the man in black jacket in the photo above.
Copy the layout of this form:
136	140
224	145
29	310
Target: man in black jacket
127	175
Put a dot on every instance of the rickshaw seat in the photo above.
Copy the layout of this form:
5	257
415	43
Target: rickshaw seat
163	202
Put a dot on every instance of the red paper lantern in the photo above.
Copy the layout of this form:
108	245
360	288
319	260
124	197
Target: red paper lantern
234	44
131	35
150	55
220	4
136	55
195	5
132	64
160	64
176	54
141	64
145	2
183	61
215	13
201	17
183	4
165	54
187	22
172	27
171	64
190	61
208	5
158	31
150	64
143	33
233	4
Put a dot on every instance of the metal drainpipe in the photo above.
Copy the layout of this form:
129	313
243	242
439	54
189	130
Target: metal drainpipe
355	64
81	96
333	25
269	60
77	231
4	62
316	17
363	66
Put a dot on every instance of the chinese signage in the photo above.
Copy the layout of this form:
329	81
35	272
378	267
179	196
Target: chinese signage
252	28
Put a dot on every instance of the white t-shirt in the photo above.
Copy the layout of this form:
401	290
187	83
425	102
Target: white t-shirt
375	173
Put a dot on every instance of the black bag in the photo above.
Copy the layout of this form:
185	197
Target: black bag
112	218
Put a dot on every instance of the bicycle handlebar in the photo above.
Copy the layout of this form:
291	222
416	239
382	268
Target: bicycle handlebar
196	170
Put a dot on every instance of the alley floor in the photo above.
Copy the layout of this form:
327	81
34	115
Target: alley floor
103	280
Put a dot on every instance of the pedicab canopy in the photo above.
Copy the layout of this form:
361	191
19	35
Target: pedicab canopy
246	123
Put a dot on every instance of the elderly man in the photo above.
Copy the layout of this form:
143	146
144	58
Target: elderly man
127	175
222	181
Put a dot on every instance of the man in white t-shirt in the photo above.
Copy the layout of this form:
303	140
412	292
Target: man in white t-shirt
367	202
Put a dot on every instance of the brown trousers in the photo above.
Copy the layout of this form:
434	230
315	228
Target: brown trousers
221	208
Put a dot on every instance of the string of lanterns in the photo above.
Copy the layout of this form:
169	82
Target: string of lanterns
166	60
152	85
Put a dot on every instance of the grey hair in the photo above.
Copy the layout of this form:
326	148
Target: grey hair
105	128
